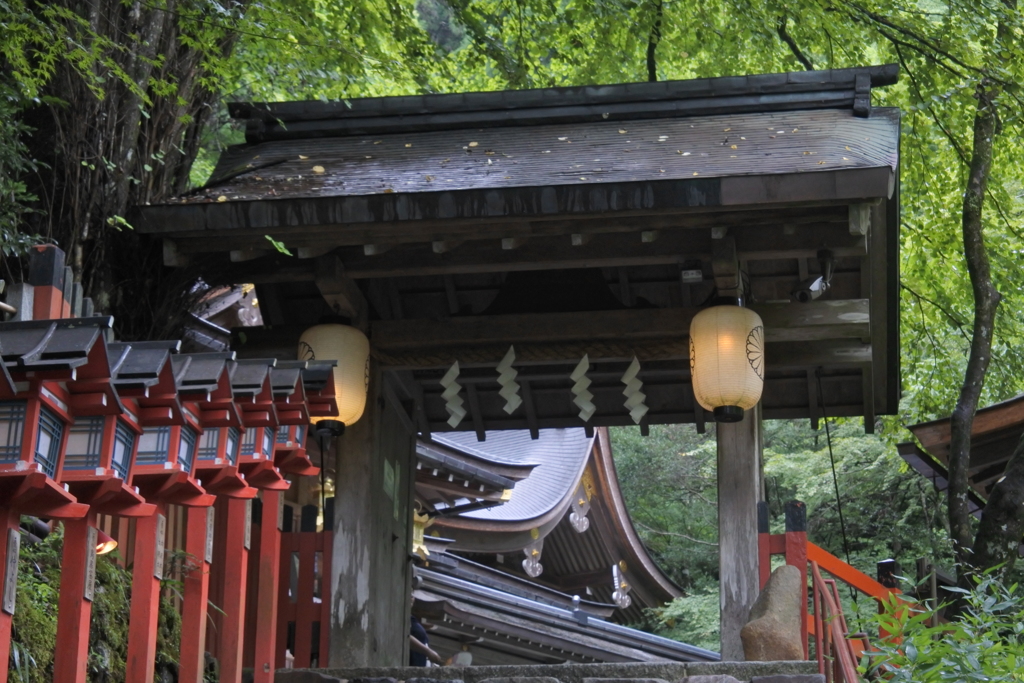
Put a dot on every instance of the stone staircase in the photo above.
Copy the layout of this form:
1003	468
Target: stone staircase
634	672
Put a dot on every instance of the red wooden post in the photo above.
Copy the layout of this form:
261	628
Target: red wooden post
9	546
77	583
269	577
304	613
150	537
236	557
327	539
46	275
796	554
198	544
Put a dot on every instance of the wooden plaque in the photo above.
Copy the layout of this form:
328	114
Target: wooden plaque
161	540
11	570
90	564
210	516
248	523
280	512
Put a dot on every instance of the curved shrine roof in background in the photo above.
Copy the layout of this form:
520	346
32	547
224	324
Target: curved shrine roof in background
559	455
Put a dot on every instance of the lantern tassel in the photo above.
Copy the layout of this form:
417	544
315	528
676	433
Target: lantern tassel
506	378
453	402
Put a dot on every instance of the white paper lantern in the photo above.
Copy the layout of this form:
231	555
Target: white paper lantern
351	349
727	360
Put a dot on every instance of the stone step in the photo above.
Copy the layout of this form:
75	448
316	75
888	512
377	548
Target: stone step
632	672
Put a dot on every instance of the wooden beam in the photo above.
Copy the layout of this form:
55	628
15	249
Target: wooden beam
612	250
726	267
244	254
816	320
497	227
860	219
339	290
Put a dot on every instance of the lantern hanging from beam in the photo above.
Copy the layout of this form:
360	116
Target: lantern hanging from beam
351	349
727	360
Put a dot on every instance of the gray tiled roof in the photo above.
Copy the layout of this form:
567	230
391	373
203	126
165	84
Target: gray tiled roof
560	456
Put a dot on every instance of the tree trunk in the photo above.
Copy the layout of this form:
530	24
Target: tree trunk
125	134
986	301
1002	521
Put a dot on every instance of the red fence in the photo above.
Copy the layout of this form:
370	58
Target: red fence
304	602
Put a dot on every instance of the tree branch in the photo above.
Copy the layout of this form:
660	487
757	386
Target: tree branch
652	43
673	534
780	28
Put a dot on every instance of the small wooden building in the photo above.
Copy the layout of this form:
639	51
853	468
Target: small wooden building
566	223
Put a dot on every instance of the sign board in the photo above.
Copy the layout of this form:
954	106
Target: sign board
90	564
210	516
248	524
280	512
11	570
161	544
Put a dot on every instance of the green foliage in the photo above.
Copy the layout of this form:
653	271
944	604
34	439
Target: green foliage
986	643
34	627
15	163
691	619
34	633
669	484
668	481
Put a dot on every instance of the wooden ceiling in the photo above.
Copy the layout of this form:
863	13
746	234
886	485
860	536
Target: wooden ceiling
608	260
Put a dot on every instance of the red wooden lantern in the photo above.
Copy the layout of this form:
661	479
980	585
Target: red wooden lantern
250	382
204	385
293	418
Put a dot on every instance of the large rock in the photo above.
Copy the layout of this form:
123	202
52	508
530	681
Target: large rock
716	678
772	633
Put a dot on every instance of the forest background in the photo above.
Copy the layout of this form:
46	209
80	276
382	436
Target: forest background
112	103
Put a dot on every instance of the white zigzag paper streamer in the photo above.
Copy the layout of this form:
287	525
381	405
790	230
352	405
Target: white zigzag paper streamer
634	397
507	380
581	396
453	402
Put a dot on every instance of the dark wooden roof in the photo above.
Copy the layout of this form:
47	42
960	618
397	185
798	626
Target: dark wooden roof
996	431
450	227
841	88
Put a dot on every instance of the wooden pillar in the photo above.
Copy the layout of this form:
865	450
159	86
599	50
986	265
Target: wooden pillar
148	570
739	490
10	546
236	560
370	575
74	611
198	544
267	595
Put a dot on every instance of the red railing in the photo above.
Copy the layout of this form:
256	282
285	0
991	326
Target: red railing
836	651
304	604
